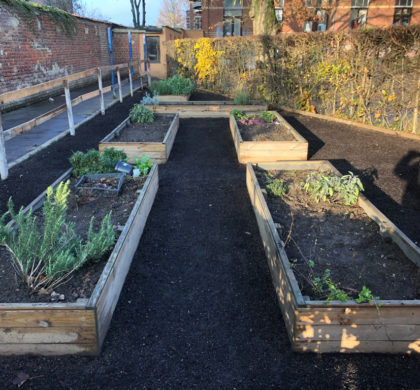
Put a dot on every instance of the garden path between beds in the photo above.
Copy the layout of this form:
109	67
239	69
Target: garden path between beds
198	309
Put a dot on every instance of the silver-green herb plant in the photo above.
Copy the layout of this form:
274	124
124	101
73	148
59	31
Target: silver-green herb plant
149	100
45	255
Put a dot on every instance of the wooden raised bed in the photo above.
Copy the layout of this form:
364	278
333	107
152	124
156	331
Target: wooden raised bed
174	98
77	328
264	151
348	327
204	109
157	151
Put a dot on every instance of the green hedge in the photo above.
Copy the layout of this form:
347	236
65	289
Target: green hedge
369	75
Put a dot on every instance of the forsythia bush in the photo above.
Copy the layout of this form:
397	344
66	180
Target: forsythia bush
207	60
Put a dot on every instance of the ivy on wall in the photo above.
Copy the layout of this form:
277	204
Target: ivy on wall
30	11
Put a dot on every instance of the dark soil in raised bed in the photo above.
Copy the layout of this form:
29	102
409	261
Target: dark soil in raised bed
388	165
340	238
80	210
27	180
146	132
265	132
198	309
205	95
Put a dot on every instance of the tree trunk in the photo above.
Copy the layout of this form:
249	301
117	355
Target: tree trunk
144	13
135	11
263	15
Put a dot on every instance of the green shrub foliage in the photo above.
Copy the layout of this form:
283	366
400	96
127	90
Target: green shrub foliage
94	161
368	75
176	85
140	114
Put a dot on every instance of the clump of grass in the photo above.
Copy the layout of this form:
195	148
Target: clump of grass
242	97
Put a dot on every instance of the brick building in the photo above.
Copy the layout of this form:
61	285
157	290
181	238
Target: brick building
217	18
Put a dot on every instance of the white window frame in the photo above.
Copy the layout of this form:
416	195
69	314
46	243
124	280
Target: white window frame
408	5
359	3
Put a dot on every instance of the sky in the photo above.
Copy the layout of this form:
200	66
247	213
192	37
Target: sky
119	11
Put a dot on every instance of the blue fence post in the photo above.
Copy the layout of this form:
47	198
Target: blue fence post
130	50
111	52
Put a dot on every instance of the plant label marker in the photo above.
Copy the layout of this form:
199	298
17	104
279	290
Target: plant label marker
69	107
101	91
4	173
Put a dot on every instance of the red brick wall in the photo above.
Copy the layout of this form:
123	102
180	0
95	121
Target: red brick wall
380	13
121	47
32	55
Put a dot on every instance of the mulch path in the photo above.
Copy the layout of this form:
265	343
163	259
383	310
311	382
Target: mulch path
198	309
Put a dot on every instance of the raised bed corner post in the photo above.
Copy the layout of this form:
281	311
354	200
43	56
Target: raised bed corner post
119	84
101	91
4	172
69	107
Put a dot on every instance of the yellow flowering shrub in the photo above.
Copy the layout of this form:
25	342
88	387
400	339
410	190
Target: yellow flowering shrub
207	57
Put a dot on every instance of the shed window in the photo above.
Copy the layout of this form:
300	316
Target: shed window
153	49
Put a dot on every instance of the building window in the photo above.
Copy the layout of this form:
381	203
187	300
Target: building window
358	13
232	21
319	20
197	22
279	5
232	4
188	20
402	12
153	49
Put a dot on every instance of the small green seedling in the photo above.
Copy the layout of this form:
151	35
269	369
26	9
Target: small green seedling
238	114
365	296
143	164
267	116
276	189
